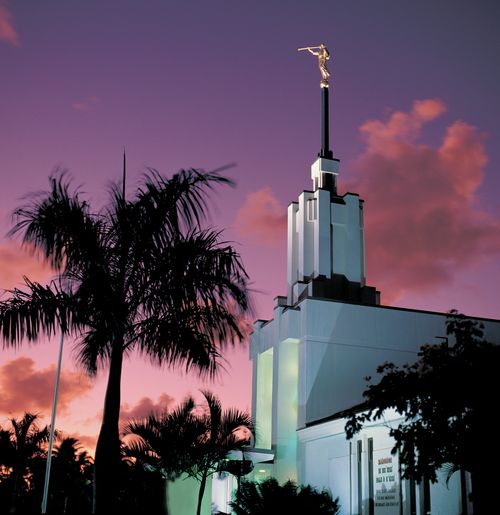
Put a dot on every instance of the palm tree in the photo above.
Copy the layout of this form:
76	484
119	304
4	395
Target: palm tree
142	275
20	447
166	442
72	467
140	486
224	431
269	497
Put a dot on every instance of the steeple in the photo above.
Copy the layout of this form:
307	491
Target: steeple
325	168
326	247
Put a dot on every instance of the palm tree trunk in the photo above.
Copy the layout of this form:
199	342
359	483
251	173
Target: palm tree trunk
107	455
203	484
15	491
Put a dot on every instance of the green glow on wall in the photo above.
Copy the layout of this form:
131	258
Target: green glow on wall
287	410
263	414
183	496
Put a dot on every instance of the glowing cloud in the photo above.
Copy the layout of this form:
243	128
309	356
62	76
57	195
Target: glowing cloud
146	406
25	388
7	31
262	218
16	262
422	223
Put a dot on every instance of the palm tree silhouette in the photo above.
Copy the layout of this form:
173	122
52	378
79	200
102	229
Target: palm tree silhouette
20	447
72	475
223	431
166	442
141	274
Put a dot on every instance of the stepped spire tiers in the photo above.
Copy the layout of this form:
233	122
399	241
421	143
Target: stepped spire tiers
326	247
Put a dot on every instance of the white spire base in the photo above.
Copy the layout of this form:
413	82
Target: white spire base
323	166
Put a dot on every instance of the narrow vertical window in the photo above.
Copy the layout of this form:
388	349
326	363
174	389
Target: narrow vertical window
425	491
371	498
312	210
413	499
360	476
463	493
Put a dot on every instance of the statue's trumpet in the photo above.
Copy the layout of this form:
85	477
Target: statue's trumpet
307	48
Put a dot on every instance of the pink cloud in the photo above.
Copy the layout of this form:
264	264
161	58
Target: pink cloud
86	104
16	262
7	31
262	218
24	388
146	406
422	223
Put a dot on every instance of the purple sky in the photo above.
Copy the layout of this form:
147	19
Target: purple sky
204	84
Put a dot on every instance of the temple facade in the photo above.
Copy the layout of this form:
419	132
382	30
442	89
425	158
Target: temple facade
327	334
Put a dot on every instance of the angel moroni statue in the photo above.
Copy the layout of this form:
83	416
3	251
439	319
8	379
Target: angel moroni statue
323	55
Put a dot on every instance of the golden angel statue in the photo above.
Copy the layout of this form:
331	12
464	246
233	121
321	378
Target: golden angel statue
323	55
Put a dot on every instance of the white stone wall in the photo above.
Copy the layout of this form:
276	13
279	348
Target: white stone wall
322	351
328	460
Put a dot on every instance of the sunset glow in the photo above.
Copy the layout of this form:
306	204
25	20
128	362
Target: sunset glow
414	120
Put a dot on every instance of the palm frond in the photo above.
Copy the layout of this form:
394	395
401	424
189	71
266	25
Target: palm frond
38	310
93	349
185	338
59	225
180	200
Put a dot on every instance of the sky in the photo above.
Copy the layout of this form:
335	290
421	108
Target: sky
414	112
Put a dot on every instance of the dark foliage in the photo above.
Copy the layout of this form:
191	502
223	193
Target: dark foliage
446	400
223	431
22	451
142	274
187	441
269	498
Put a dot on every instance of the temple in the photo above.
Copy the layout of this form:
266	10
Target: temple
327	334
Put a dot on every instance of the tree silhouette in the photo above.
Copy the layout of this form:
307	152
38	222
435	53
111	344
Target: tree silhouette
166	443
71	478
446	399
223	431
187	440
269	497
141	274
20	447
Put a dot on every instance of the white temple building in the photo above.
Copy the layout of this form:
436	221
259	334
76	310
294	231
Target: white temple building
310	361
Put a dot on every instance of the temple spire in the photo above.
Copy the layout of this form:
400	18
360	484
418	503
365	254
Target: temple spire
325	169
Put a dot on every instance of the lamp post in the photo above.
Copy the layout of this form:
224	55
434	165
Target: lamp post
52	429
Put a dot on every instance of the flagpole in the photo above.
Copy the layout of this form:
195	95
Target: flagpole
52	429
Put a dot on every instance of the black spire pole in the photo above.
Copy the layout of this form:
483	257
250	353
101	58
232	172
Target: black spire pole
325	125
124	172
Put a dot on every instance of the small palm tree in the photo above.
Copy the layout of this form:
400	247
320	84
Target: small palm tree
223	431
166	442
269	497
20	447
72	469
141	486
142	274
